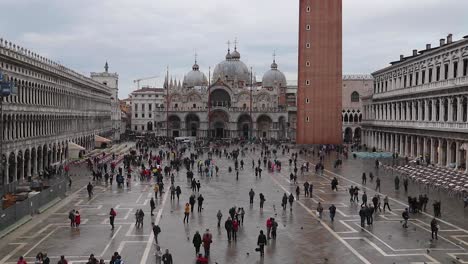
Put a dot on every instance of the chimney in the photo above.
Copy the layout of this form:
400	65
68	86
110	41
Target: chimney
449	38
442	42
415	52
428	46
402	57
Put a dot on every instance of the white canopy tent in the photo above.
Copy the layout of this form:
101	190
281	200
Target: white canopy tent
74	150
101	141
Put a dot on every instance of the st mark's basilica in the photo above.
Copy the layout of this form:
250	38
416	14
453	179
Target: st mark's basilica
232	105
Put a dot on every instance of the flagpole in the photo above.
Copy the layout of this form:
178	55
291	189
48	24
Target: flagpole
167	101
209	102
251	88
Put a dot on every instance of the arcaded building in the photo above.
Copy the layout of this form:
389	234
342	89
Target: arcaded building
319	77
419	105
54	105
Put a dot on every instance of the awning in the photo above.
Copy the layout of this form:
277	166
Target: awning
74	146
100	139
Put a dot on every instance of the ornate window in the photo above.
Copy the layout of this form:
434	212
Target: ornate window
355	97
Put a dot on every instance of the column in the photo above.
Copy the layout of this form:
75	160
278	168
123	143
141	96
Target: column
426	110
448	153
28	166
7	170
434	102
459	108
433	151
412	150
392	143
439	152
450	109
424	148
418	146
441	110
458	154
402	145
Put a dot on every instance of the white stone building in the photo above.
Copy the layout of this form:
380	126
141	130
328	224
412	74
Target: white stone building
53	106
145	116
419	105
112	81
354	87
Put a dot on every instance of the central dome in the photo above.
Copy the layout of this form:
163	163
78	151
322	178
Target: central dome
232	69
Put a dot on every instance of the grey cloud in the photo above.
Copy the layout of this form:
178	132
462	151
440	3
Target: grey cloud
141	37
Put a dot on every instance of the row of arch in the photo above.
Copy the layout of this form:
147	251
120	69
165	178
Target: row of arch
222	126
351	117
448	109
22	163
22	126
437	150
351	135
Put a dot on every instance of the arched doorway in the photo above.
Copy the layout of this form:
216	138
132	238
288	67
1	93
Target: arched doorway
357	135
348	135
263	126
192	124
220	98
220	120
174	125
11	167
243	126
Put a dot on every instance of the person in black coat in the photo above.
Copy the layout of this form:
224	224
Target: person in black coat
197	241
362	215
261	241
228	227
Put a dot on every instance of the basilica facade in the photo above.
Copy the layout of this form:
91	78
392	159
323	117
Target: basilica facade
230	105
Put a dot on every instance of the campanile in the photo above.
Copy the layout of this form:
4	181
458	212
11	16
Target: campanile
319	72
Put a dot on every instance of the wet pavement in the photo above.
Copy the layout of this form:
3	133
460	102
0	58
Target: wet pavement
301	238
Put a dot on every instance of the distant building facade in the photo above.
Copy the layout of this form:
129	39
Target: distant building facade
145	114
419	105
354	87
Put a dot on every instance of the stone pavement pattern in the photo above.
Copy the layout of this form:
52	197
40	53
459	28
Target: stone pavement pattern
302	238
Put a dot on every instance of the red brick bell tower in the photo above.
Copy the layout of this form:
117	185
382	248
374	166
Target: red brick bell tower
319	72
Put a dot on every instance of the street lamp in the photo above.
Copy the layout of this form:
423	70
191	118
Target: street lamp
7	88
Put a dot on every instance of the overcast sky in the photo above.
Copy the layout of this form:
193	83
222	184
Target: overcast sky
140	38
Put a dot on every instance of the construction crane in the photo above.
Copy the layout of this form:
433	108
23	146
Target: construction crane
137	81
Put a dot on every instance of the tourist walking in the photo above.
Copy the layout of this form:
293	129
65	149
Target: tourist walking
364	178
386	204
207	240
377	184
167	257
219	215
251	195
405	216
228	227
262	200
156	231
284	201
192	202
152	205
332	211
261	241
186	212
112	215
90	187
197	241
434	228
71	216
200	203
319	210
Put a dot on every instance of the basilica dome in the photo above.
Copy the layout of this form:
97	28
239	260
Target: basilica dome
274	77
195	77
232	69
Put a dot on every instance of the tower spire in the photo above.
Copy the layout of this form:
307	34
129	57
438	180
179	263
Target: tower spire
106	67
235	43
